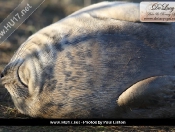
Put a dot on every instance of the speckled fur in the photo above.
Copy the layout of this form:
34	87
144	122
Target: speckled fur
80	66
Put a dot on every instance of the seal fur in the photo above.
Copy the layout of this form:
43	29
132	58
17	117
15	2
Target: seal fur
81	65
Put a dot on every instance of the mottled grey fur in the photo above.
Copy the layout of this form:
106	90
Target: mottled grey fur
99	62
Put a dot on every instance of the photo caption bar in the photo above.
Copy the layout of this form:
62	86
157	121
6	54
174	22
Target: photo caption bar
157	11
17	17
85	122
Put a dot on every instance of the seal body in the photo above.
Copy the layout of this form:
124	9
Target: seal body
95	64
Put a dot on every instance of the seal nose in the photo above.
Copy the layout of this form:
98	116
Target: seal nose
2	75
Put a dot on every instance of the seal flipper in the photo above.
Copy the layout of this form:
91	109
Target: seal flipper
114	10
152	93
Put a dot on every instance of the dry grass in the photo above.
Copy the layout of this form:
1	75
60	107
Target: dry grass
87	129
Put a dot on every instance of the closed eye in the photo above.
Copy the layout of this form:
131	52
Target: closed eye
20	79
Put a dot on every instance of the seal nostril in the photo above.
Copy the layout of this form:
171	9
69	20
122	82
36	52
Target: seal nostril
2	75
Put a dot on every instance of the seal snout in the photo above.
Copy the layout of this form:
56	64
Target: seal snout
2	75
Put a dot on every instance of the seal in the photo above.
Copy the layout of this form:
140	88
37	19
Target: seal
99	62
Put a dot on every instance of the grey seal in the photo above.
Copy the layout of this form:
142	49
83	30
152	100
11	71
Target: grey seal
99	62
